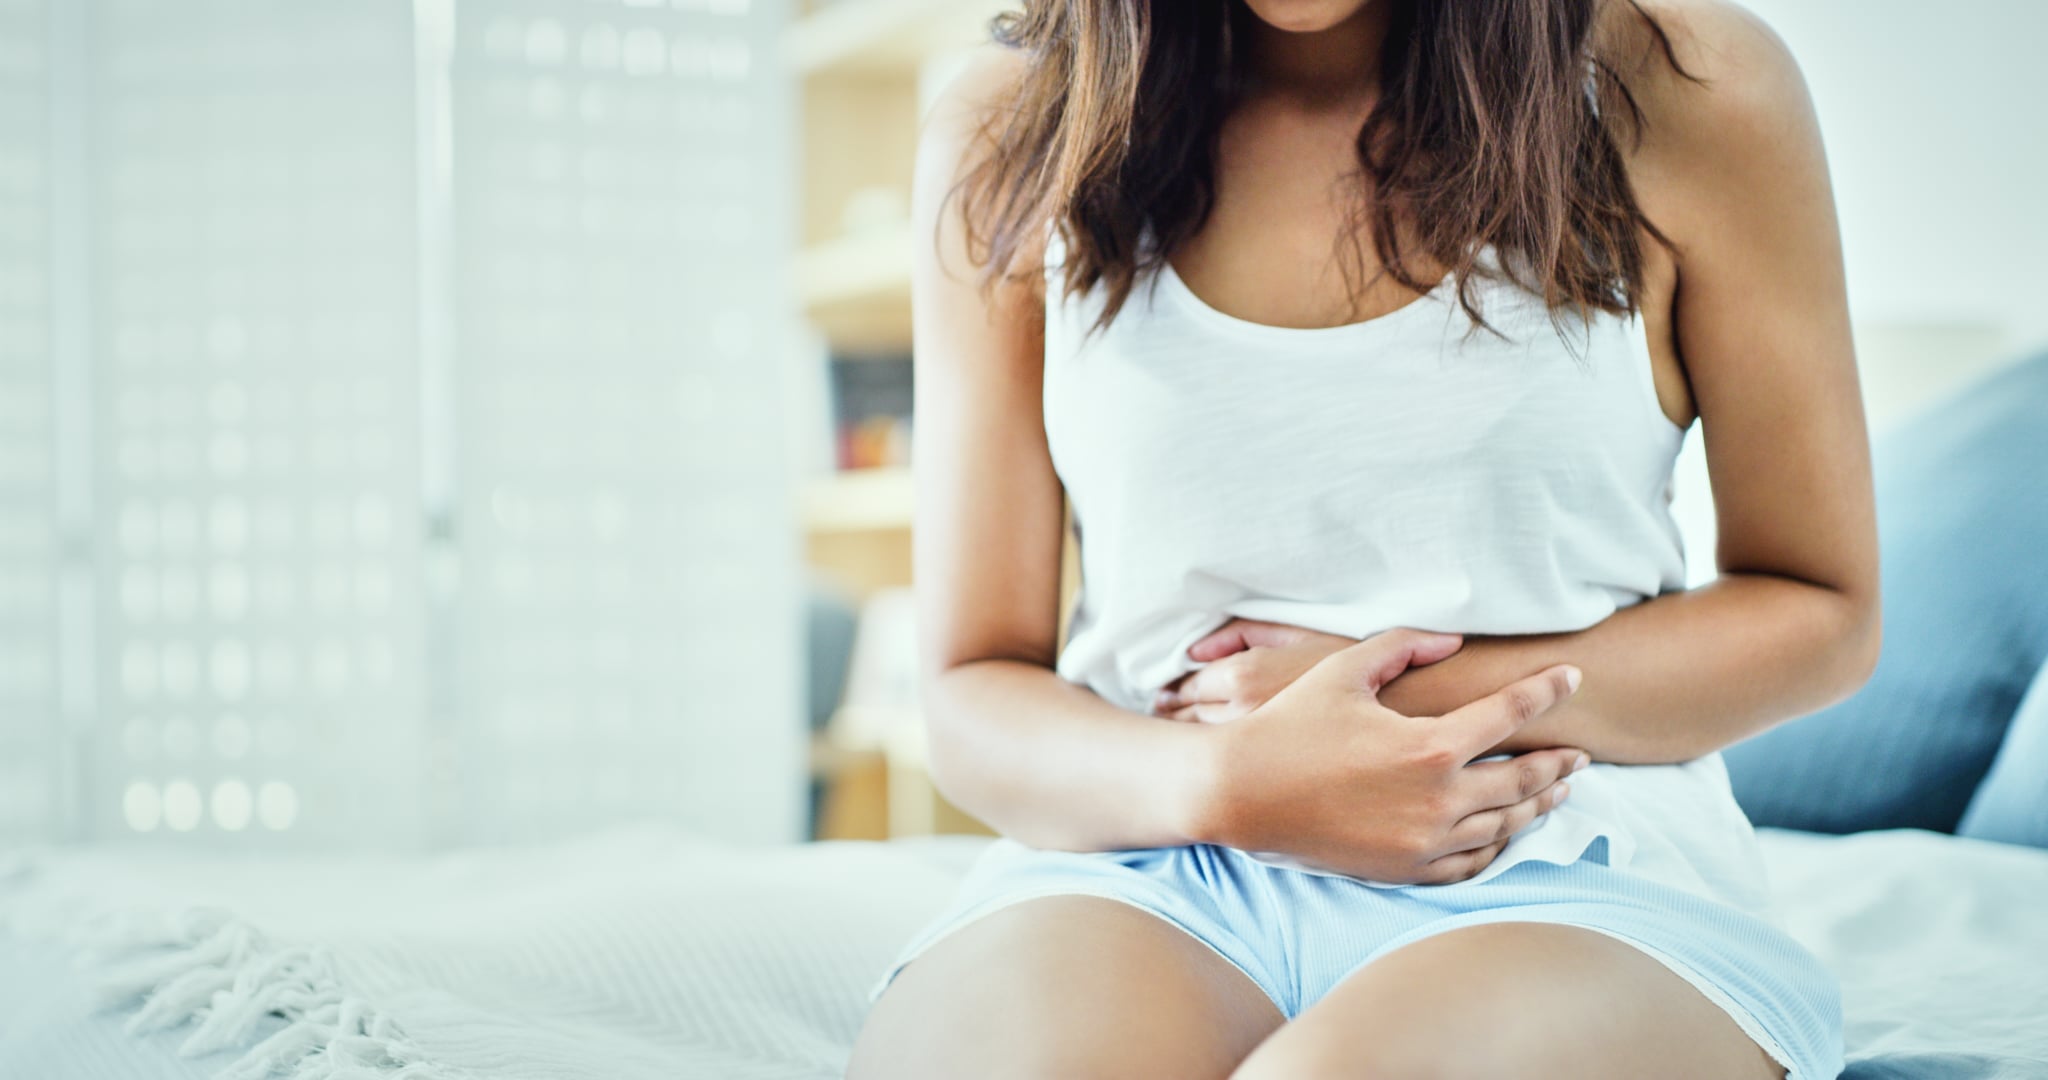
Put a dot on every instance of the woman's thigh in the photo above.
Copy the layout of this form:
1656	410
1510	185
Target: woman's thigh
1067	987
1530	1001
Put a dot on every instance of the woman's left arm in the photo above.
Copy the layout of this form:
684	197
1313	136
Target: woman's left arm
1733	172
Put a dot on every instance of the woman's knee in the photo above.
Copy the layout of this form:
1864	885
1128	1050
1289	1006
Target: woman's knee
1064	988
1511	999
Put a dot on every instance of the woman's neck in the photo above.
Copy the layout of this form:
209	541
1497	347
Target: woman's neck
1334	66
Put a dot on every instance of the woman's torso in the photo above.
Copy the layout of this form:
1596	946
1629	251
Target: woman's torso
1286	183
1404	469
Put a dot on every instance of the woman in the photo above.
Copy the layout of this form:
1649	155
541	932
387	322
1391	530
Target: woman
1361	336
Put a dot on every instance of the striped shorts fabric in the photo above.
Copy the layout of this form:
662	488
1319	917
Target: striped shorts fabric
1297	935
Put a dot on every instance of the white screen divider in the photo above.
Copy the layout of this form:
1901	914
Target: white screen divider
428	476
256	420
31	722
628	617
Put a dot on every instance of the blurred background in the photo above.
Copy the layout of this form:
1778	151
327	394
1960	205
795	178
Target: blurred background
439	421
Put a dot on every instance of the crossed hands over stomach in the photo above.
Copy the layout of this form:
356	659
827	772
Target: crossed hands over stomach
1310	763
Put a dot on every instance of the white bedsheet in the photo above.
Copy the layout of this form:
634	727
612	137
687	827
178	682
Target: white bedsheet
645	954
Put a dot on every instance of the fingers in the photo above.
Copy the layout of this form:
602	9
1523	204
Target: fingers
1205	712
1499	825
1460	865
1221	642
1217	682
1237	635
1377	660
1168	699
1490	785
1211	695
1483	724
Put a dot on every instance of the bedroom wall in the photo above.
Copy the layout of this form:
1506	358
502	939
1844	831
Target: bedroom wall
1933	115
1938	149
31	750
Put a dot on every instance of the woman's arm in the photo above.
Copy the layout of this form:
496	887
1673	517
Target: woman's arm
1034	756
1677	677
1328	774
1733	172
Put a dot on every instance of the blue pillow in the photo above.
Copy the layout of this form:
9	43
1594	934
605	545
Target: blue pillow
2011	805
1962	506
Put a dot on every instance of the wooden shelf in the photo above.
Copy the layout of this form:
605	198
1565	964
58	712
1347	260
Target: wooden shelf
864	70
883	37
870	268
856	291
861	500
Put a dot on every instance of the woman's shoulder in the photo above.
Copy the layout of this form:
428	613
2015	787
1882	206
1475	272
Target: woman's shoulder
1698	68
1720	96
958	131
985	77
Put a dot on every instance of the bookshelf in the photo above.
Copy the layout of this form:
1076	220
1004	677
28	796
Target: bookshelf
859	500
861	270
881	36
863	71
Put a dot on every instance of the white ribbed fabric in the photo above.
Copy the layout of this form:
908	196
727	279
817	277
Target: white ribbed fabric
638	954
1412	470
651	956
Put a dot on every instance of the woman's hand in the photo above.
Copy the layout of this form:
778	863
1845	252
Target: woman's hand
1247	662
1325	773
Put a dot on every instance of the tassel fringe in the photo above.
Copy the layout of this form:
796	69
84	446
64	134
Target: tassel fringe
210	971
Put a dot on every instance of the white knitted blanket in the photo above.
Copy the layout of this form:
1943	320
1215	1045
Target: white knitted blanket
642	953
633	954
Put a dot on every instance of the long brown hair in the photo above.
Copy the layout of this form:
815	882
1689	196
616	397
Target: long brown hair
1484	134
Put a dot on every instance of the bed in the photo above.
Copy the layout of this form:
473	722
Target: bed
645	953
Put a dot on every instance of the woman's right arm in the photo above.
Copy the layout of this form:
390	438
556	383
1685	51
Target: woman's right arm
1037	758
1322	772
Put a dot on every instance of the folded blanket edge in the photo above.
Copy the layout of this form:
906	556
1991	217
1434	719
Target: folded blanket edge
214	971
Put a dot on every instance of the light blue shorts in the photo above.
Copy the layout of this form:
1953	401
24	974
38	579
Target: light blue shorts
1297	935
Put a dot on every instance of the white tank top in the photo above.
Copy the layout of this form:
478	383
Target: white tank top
1394	472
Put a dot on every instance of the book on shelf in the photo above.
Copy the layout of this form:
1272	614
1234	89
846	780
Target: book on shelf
871	397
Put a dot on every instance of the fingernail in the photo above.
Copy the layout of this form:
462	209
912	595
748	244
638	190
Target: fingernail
1563	789
1572	676
1581	762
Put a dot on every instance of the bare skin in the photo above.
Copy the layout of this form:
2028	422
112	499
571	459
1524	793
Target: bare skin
1524	1000
1065	987
1749	331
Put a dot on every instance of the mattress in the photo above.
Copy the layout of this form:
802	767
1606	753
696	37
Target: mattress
644	953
